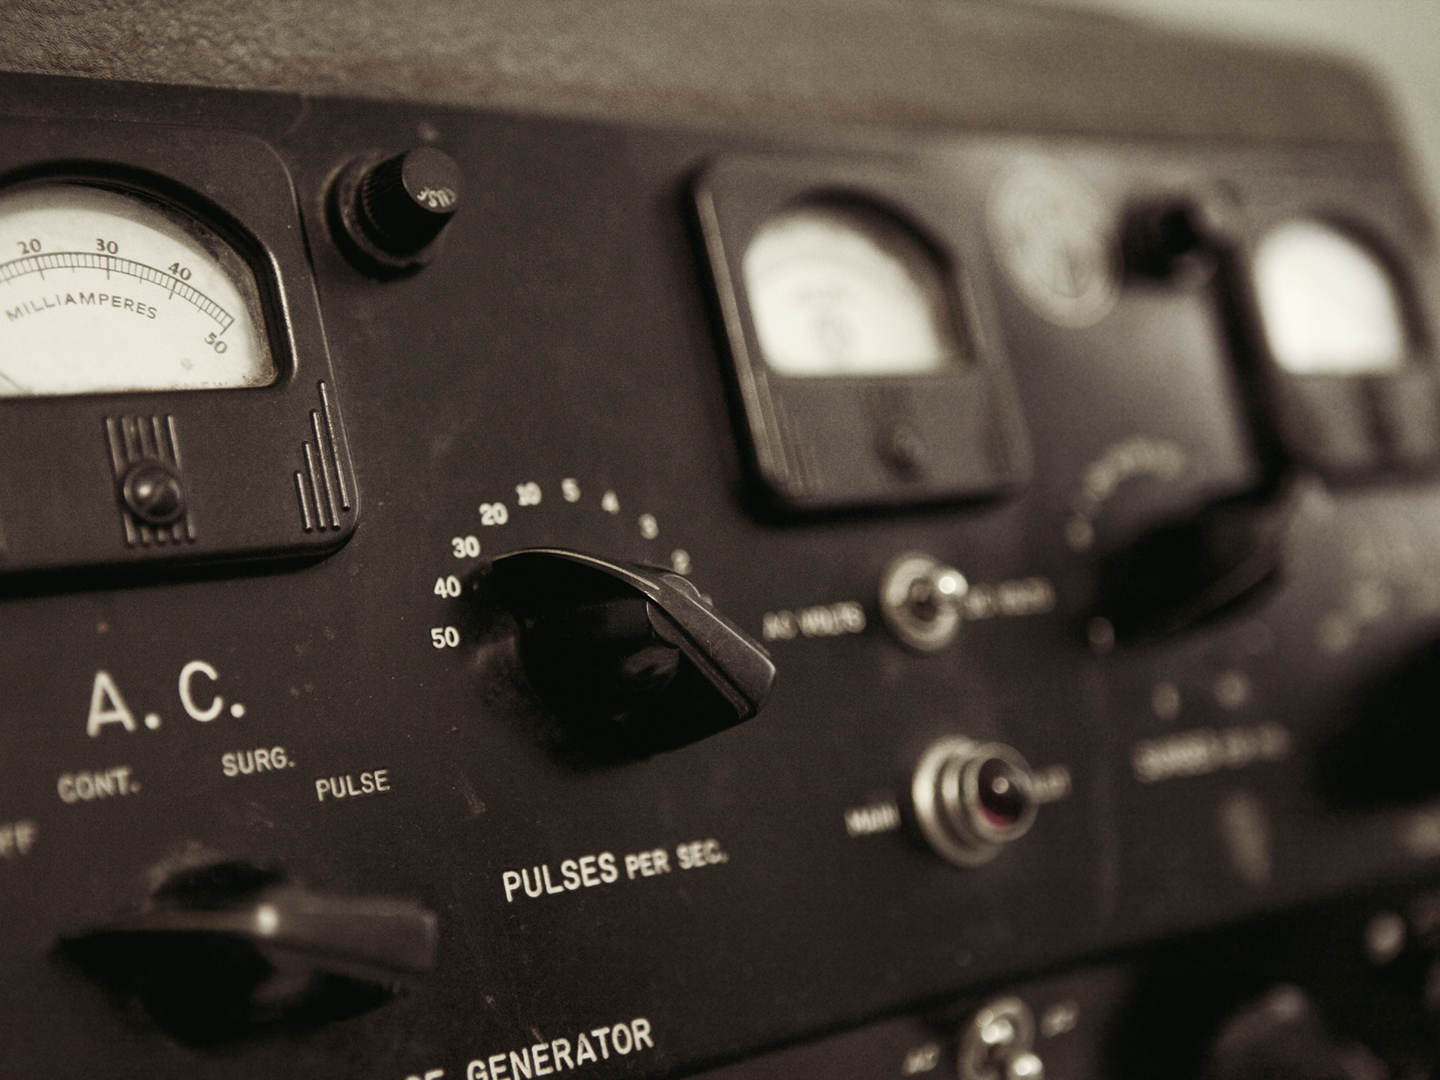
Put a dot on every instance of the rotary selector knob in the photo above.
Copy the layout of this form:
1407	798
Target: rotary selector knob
1184	572
394	211
631	655
971	799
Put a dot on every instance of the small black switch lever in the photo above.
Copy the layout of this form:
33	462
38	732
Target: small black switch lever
632	653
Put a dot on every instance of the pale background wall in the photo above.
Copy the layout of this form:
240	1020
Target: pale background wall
1398	39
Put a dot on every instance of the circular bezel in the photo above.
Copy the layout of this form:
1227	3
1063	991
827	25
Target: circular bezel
945	796
1056	241
929	811
961	796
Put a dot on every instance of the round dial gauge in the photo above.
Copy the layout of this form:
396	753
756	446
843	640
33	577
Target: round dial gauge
104	291
1328	305
1054	238
835	292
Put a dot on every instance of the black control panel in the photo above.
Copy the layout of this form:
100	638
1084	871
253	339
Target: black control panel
494	595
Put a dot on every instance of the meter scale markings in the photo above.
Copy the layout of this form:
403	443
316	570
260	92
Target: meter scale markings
113	264
112	291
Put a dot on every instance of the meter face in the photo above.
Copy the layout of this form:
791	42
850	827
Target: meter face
834	292
105	292
1328	304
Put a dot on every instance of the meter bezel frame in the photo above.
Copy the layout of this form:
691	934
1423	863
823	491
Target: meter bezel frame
238	187
1350	427
733	198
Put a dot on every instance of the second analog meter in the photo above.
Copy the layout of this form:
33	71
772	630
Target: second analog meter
860	360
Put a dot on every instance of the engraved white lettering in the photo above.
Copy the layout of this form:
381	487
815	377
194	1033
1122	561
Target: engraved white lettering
245	762
876	818
187	699
602	1034
700	853
604	868
560	1051
376	782
1030	596
823	620
1205	750
511	881
89	786
583	1050
107	706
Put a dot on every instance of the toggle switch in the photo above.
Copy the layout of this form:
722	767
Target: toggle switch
920	601
996	1043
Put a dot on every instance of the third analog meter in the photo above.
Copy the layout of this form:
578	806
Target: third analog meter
860	361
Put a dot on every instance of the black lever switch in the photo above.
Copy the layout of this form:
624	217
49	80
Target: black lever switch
226	948
631	654
1183	572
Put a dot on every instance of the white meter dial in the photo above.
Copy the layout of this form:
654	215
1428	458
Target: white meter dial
836	293
1328	304
107	292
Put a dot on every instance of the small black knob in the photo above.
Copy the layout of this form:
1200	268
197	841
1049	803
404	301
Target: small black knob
631	655
1179	237
407	200
389	214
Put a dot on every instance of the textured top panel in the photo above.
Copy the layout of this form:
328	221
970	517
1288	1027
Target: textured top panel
913	63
